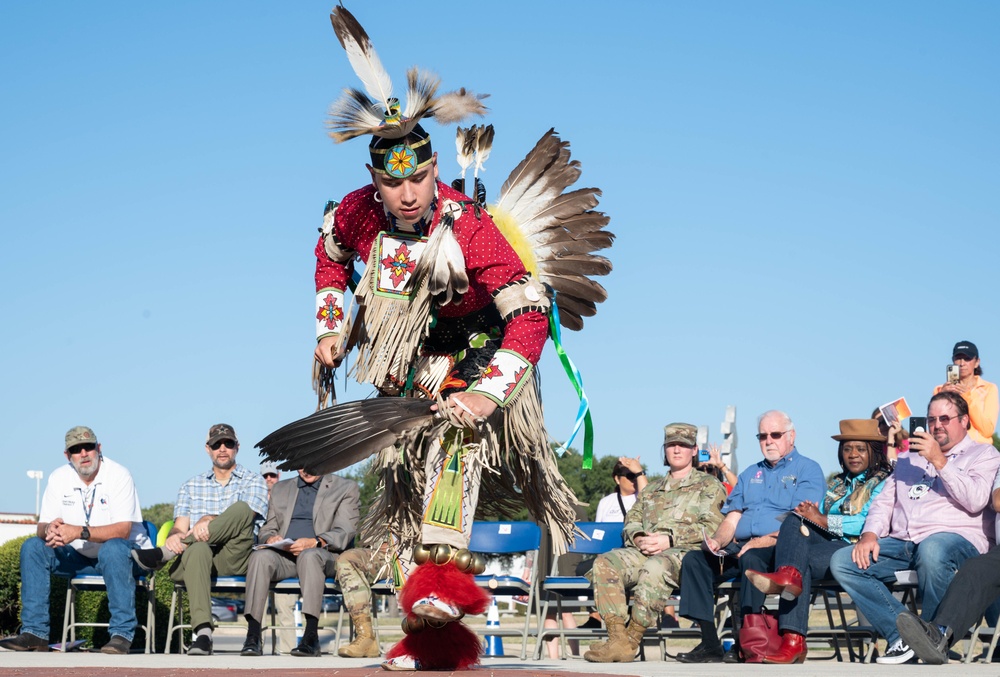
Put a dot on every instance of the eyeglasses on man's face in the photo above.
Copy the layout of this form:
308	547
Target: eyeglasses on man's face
774	436
77	448
945	419
230	444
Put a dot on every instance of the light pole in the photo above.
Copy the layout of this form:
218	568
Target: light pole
37	476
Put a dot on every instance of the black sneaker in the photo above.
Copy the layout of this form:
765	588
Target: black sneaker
24	642
926	639
150	559
201	646
897	654
117	645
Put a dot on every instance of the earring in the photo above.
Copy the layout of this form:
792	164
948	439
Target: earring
378	197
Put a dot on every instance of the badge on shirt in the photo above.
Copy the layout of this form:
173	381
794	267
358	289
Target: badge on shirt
396	261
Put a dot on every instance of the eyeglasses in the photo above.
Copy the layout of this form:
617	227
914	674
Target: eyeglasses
231	444
943	420
774	436
270	474
77	448
630	476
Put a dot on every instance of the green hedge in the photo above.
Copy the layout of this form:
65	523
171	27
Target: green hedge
91	606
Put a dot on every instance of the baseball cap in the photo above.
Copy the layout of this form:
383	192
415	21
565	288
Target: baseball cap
221	431
967	348
80	434
269	467
680	433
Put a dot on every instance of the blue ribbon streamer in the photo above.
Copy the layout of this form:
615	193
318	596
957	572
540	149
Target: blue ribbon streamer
583	417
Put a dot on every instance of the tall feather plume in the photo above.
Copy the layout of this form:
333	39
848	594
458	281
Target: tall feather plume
484	145
562	227
362	56
464	150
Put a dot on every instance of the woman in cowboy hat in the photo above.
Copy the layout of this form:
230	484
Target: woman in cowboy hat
809	538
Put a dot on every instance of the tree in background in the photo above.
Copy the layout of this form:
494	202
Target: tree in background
159	513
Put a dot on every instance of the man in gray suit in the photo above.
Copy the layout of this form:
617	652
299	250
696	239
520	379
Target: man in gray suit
310	520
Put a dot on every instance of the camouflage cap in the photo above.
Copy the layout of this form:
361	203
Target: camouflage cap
80	434
680	433
221	431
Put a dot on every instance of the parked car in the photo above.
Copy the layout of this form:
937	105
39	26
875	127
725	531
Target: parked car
223	610
332	603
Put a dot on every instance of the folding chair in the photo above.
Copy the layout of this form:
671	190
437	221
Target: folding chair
95	582
229	584
510	538
598	538
289	586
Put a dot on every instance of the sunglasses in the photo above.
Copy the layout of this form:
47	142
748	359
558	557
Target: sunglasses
630	476
229	444
943	420
77	448
270	474
774	436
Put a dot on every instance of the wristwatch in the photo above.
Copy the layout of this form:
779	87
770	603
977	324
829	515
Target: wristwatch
85	533
319	543
641	473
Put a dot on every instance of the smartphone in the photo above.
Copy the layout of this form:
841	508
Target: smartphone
704	456
952	374
918	422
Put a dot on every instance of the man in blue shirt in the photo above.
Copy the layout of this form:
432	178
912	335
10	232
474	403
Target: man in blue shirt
746	537
213	529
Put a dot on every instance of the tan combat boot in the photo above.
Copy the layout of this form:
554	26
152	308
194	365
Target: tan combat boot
364	645
622	645
616	635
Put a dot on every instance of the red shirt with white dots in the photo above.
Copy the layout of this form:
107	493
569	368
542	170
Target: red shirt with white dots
490	261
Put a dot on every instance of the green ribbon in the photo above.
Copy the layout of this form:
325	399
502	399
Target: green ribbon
583	413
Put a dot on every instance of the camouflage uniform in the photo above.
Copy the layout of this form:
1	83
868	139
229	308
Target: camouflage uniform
681	508
356	569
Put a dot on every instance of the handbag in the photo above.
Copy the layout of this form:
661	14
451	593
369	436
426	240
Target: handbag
759	636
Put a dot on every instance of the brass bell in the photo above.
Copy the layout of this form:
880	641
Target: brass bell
478	564
412	623
420	554
441	553
463	560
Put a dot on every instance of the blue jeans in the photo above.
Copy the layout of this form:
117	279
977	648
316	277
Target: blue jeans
114	562
935	559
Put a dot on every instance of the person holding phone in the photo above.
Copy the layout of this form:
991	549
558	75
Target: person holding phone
980	395
814	531
929	518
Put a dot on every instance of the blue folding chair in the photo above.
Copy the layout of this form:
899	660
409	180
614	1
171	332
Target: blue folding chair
95	582
597	538
292	586
230	584
510	538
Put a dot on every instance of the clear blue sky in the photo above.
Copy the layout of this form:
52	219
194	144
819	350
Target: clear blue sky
805	198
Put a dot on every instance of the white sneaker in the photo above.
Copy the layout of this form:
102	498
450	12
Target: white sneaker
896	654
436	609
401	663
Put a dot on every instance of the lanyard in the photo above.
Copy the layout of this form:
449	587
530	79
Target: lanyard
88	509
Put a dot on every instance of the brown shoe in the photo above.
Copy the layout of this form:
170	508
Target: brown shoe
24	642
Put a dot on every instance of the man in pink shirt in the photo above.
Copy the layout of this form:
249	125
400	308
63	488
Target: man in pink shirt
931	516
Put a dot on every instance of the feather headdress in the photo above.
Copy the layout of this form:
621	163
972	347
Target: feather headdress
555	232
378	112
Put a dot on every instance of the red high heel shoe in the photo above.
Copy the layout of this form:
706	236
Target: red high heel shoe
786	581
793	649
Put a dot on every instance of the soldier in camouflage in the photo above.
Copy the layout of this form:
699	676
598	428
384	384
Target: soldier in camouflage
356	569
670	518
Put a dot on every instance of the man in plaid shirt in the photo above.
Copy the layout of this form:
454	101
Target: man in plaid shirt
213	529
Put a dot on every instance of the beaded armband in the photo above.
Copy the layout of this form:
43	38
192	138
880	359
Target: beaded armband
503	378
329	312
